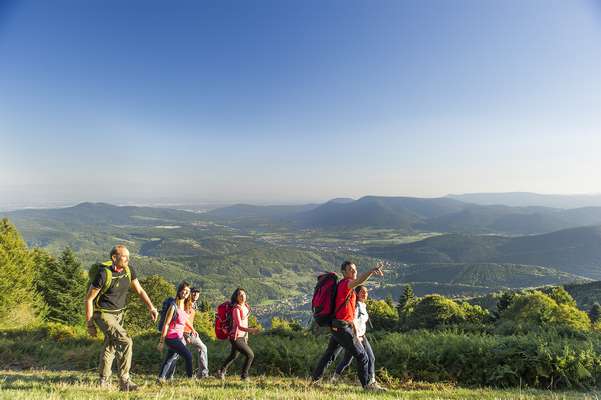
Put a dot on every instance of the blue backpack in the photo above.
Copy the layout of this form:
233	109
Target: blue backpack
168	303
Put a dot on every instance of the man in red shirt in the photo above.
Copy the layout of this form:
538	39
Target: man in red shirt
342	325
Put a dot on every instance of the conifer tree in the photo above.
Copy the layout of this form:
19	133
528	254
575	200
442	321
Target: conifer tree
595	313
406	298
20	304
204	306
504	302
63	285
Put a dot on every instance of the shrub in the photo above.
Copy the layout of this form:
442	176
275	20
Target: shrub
434	311
382	315
536	311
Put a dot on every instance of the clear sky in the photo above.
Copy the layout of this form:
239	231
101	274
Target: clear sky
282	101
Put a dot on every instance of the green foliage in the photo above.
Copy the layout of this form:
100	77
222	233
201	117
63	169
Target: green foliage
253	322
406	299
158	289
282	325
504	301
382	315
204	323
204	306
435	311
595	313
559	294
536	311
541	360
20	304
62	284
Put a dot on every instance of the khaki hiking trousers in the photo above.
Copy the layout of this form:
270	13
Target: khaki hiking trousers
116	343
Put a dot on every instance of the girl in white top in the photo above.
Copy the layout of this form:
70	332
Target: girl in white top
360	323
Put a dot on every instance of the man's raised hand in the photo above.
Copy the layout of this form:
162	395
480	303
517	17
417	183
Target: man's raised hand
377	270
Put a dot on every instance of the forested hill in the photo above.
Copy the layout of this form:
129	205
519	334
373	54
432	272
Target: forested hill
281	261
100	214
410	214
576	251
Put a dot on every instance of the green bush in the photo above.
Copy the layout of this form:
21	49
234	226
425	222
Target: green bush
382	315
434	311
536	311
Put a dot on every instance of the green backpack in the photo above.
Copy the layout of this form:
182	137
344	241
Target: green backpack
93	273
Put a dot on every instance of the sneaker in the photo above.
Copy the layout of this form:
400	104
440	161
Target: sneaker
128	386
202	375
374	387
245	379
104	382
315	382
161	381
334	378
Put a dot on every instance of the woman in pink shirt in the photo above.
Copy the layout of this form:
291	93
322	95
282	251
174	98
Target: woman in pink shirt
173	333
239	334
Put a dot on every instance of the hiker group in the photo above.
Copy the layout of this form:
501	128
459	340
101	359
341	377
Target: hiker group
338	305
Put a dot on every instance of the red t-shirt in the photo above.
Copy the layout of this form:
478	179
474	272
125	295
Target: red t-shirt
346	312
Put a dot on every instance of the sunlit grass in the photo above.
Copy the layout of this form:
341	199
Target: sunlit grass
16	385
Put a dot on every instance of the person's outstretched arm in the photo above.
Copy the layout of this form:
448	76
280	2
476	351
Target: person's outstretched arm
377	270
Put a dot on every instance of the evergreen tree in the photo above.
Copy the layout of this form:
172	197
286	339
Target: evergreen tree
595	313
204	306
406	298
504	302
20	304
62	284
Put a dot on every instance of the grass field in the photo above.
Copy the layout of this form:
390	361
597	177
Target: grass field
17	385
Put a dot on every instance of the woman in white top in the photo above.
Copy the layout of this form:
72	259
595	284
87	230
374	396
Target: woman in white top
360	322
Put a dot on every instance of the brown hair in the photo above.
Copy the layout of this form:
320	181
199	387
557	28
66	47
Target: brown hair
182	286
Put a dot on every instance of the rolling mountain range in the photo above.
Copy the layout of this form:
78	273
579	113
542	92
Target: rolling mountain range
238	244
412	214
576	251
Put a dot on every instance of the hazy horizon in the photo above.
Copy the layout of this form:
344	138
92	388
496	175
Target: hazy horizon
280	102
44	201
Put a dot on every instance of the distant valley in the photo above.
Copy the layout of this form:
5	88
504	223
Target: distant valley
439	245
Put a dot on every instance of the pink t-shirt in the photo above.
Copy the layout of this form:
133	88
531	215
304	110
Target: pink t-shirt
176	327
239	320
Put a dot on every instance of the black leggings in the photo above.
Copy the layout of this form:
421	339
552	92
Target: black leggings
239	345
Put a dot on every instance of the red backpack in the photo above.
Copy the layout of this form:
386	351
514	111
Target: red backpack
324	298
223	320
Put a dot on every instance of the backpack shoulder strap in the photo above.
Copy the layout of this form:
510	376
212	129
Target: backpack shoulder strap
106	266
128	273
346	300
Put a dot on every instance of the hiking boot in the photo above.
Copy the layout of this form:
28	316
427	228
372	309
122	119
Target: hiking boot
128	386
104	382
374	387
161	381
245	379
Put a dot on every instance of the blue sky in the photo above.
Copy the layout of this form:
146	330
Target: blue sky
281	101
